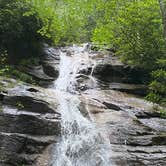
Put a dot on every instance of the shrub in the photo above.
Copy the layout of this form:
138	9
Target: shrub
157	87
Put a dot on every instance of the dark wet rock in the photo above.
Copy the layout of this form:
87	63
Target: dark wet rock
28	112
1	96
112	106
29	124
50	52
88	83
83	110
50	61
50	69
33	144
32	90
110	68
85	71
23	98
129	88
17	149
37	73
147	140
28	103
143	114
25	137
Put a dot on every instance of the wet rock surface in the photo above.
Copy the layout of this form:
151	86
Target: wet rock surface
50	61
110	68
29	124
30	120
37	72
135	139
48	68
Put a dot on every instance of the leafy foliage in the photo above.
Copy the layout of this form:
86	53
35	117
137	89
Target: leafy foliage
158	86
18	33
11	71
66	21
25	24
135	29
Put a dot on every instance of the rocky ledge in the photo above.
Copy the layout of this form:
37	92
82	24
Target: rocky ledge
48	69
136	131
109	68
30	120
29	124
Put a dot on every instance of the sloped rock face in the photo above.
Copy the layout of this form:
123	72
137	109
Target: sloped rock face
48	68
30	120
29	125
50	61
110	73
110	68
136	132
37	73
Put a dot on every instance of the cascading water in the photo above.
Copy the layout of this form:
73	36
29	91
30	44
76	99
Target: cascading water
81	143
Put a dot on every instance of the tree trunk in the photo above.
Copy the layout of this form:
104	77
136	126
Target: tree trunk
163	12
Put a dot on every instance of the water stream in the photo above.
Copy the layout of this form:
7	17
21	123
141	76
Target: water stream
81	142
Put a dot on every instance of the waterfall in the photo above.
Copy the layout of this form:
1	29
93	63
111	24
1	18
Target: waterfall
81	143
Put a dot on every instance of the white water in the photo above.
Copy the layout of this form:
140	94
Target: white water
81	143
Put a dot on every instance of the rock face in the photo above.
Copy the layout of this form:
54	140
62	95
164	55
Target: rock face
48	69
136	132
29	124
37	72
110	68
50	61
30	120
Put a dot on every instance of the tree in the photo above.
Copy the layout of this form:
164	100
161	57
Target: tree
25	24
134	28
18	32
163	11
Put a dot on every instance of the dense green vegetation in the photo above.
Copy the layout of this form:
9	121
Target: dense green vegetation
158	86
17	32
136	29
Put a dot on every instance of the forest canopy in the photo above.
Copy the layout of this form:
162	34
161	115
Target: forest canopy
133	28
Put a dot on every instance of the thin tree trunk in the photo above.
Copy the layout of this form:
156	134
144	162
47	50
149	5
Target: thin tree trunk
163	12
